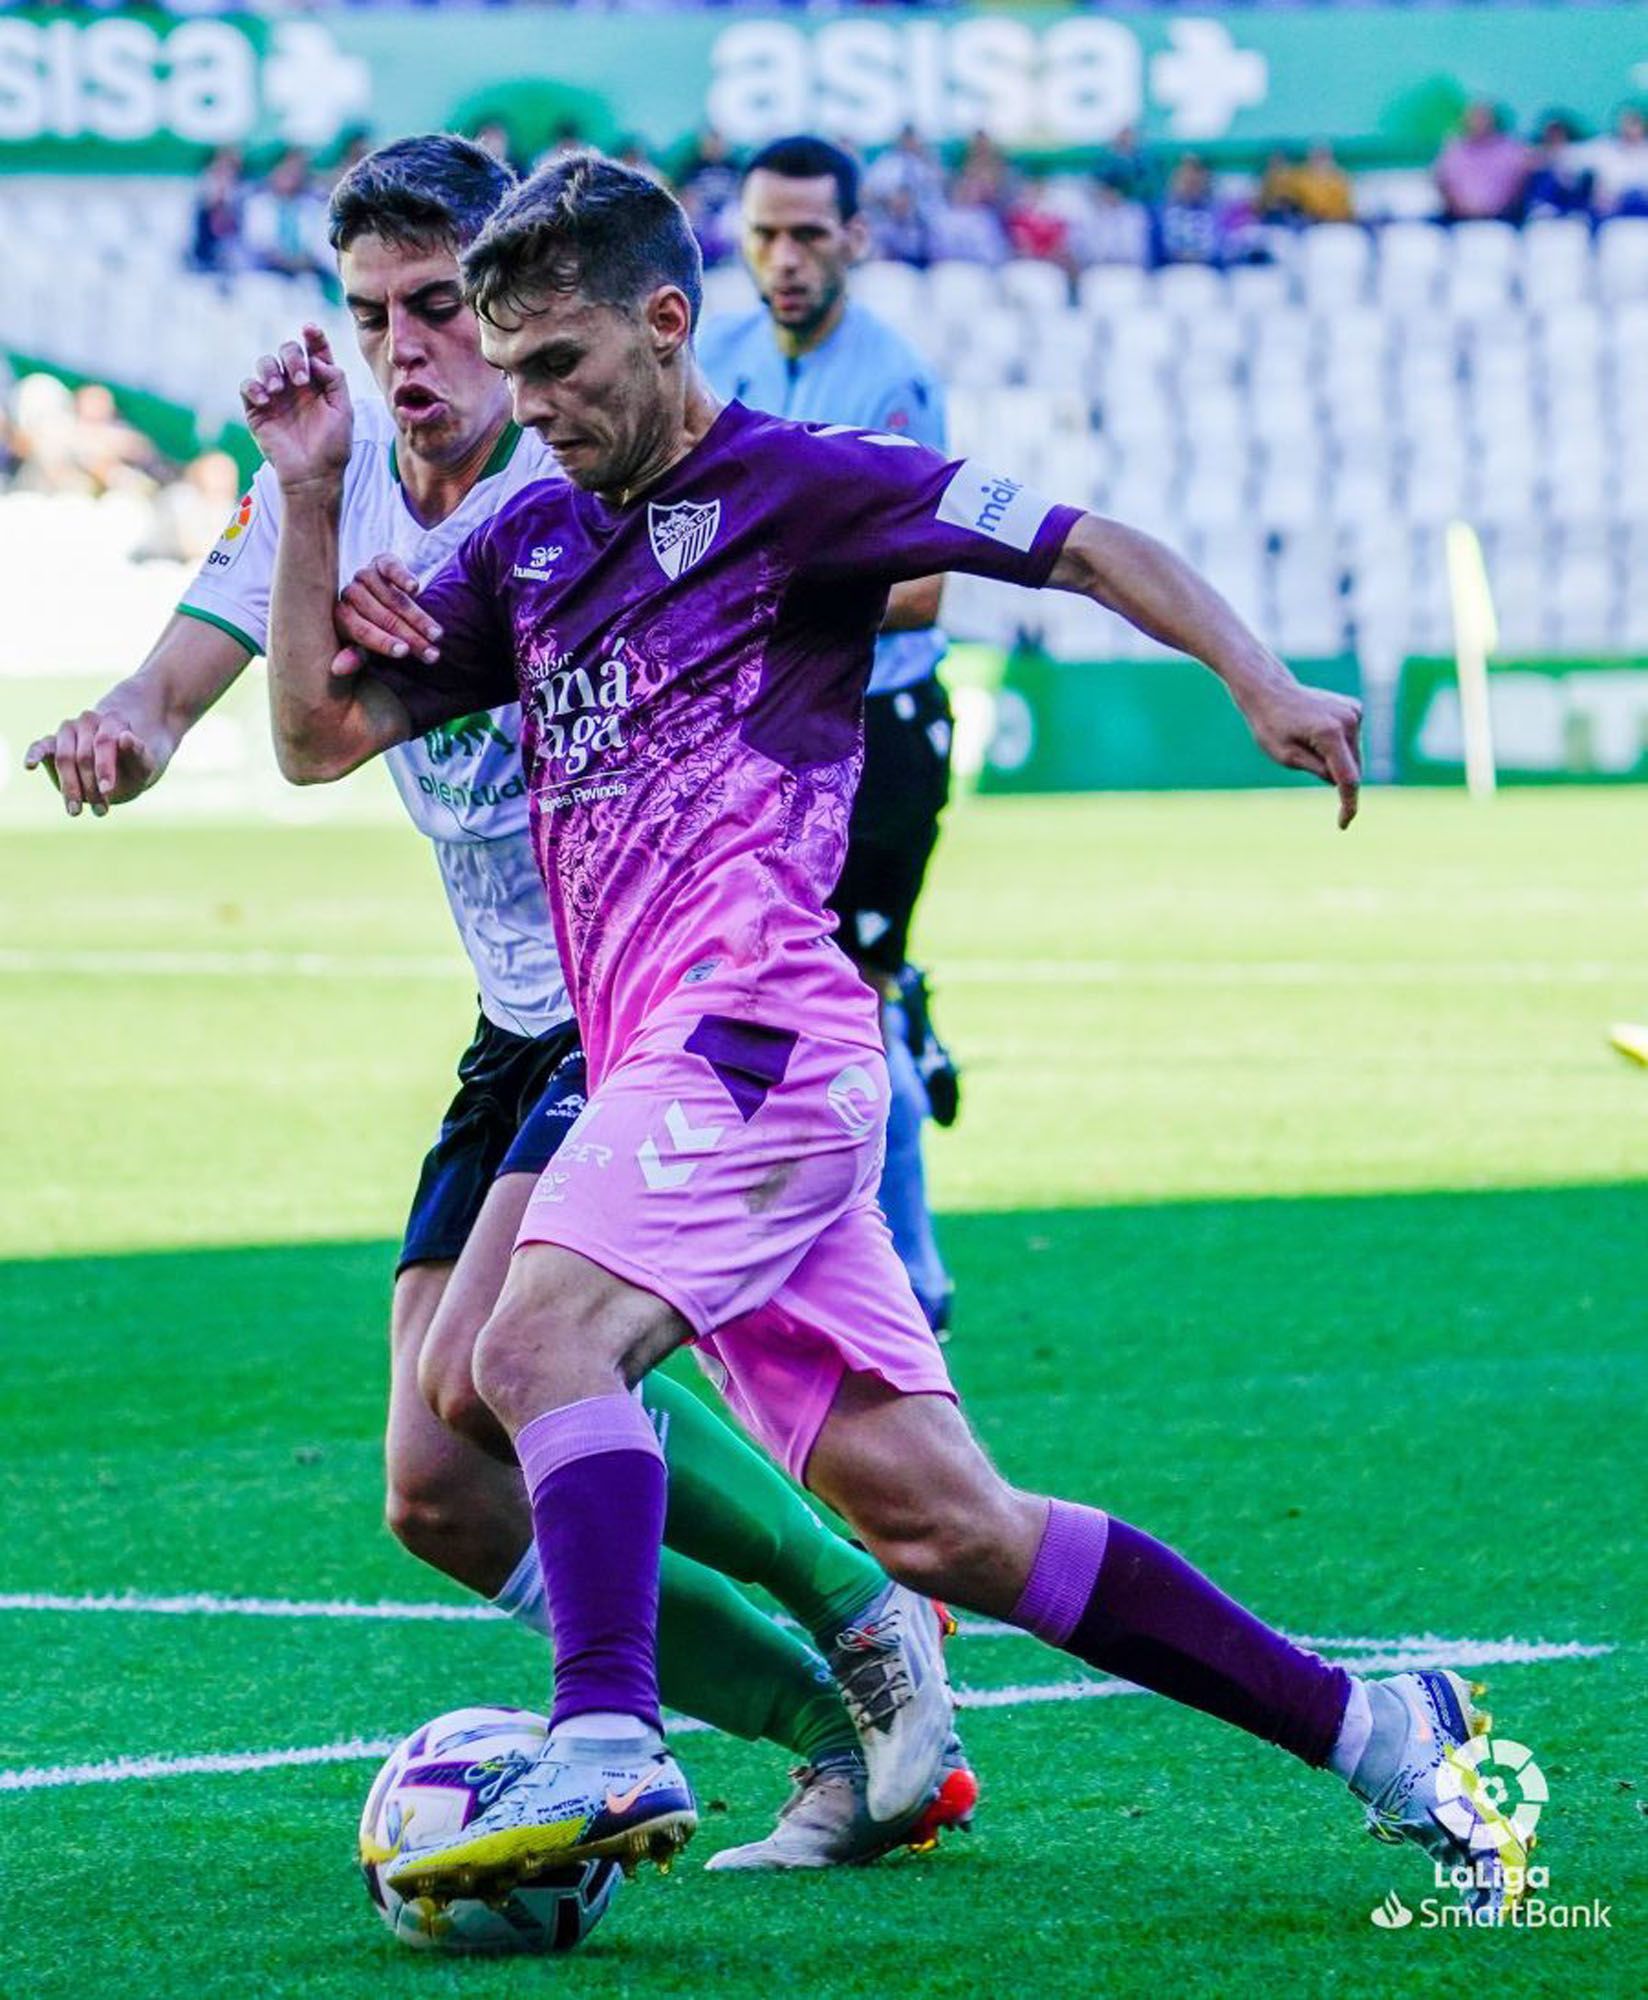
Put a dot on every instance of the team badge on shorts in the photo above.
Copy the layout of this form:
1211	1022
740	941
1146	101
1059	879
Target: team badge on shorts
681	535
854	1098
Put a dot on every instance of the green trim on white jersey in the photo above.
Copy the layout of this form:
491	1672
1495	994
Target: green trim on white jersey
223	625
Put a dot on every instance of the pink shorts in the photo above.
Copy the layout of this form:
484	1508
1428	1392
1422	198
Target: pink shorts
731	1169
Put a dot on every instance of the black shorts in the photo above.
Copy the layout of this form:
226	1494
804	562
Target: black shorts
894	827
517	1098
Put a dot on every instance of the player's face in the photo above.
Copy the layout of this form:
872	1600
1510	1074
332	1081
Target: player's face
797	247
590	379
422	345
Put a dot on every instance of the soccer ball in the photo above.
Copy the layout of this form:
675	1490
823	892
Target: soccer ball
432	1786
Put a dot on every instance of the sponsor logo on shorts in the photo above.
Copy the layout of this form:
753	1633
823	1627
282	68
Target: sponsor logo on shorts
855	1100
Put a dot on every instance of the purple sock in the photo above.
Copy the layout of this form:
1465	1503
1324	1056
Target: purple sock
596	1476
1126	1603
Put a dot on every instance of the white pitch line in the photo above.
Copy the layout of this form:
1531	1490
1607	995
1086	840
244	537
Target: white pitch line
359	1749
207	1604
958	972
1407	1648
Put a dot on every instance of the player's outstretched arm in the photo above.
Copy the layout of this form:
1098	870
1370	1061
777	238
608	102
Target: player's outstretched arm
1304	728
116	749
324	723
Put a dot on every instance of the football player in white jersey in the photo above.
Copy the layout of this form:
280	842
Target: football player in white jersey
426	467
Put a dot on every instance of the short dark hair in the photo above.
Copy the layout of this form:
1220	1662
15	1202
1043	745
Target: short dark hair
434	189
584	224
805	157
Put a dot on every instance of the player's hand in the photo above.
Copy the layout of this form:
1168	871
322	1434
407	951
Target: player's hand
99	758
1309	729
379	612
297	408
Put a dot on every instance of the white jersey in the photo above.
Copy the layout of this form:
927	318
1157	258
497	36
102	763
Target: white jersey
462	783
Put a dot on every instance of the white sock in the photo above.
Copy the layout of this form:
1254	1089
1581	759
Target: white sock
602	1725
1354	1732
522	1597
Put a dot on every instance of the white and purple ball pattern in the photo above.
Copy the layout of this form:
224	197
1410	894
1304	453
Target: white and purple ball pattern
430	1788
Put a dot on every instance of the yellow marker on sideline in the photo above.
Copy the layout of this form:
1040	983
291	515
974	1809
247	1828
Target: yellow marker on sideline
1631	1040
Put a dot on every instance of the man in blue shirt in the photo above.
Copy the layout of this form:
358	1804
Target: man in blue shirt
809	351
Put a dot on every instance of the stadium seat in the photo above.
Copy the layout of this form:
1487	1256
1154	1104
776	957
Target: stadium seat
1187	291
958	290
1036	286
893	291
1109	291
1622	259
1556	261
1334	262
1411	261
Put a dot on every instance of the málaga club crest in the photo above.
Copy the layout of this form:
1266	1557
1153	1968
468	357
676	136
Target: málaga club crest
681	535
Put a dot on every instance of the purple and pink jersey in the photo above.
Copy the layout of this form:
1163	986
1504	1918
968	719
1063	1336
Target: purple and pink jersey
692	669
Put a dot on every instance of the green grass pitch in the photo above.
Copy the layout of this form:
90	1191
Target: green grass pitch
1298	1212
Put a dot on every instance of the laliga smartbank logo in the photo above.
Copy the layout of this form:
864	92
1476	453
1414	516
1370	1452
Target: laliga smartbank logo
1489	1796
1495	1772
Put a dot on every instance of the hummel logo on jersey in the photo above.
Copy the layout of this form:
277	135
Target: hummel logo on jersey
681	535
540	565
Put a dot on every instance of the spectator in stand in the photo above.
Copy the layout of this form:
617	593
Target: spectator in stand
1035	228
189	511
901	229
1620	165
1561	182
1305	187
969	227
492	136
709	170
218	220
1482	175
1189	224
11	457
707	185
907	166
1114	230
355	145
111	456
985	178
567	137
632	153
1125	166
286	221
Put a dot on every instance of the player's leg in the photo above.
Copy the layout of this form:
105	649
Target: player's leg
458	1500
606	1281
554	1363
728	1507
448	1503
906	1471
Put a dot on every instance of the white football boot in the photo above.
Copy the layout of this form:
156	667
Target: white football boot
1428	1791
826	1822
889	1665
578	1799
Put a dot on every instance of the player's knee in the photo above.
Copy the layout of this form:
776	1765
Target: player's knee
939	1544
510	1353
446	1381
423	1513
